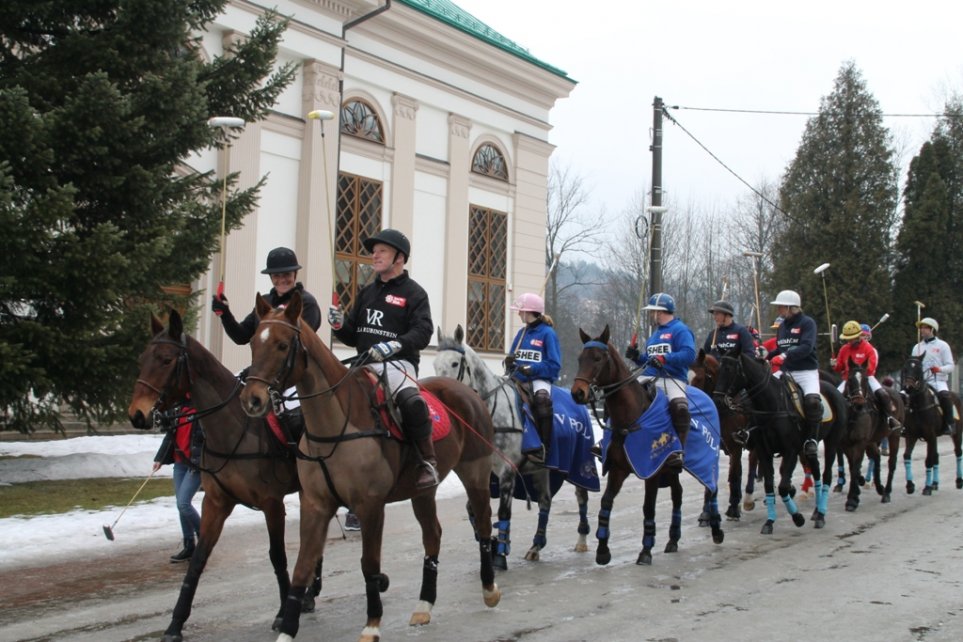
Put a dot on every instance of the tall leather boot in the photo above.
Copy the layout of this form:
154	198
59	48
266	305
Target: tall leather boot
888	410
681	419
414	412
544	419
946	403
813	409
185	553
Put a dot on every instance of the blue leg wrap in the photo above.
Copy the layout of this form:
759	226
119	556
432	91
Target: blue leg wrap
540	540
504	544
648	533
936	474
771	506
909	469
929	476
841	473
714	505
822	498
675	528
790	504
959	467
603	530
870	469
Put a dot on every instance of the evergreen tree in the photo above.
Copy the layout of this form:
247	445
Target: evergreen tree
840	195
101	102
929	267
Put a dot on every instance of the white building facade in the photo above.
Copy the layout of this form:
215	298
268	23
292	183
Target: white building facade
440	130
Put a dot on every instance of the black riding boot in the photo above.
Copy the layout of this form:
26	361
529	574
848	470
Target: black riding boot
414	411
681	420
185	553
544	422
887	409
946	404
813	411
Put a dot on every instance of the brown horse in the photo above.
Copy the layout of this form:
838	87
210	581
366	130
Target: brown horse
242	462
601	369
347	459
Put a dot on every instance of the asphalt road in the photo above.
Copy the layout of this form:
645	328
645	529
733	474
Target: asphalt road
883	573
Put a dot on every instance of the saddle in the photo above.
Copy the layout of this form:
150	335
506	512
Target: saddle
390	416
287	427
796	396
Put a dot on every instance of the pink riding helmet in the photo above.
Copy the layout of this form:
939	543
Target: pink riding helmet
529	302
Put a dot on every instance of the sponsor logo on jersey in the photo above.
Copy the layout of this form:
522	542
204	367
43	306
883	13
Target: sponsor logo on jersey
528	355
667	336
795	330
399	301
538	343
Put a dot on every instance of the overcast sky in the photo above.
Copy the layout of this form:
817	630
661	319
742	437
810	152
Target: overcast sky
762	55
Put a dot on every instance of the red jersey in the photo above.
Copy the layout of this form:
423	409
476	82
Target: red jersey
861	353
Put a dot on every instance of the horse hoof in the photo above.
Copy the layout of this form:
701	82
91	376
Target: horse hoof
602	557
959	483
851	506
718	535
838	488
767	528
748	504
177	637
733	512
672	547
910	488
927	491
500	562
798	519
581	547
886	499
532	554
936	485
819	520
420	618
645	559
492	597
370	634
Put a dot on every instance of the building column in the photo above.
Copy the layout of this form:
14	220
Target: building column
403	167
455	306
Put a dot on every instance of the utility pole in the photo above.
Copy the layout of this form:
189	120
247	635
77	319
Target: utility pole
656	209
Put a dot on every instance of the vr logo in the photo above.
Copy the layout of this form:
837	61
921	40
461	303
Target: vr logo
375	316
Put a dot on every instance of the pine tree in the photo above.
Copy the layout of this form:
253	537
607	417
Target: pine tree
929	267
840	195
101	102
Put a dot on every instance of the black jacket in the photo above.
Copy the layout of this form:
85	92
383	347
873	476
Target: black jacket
242	332
384	311
796	338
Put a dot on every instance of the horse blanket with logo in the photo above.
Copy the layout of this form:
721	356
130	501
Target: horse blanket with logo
653	439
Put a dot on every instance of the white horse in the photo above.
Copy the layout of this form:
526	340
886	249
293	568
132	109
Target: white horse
456	359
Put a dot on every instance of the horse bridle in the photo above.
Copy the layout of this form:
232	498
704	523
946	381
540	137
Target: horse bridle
181	367
276	387
600	392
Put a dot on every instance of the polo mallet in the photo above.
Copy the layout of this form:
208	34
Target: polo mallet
225	123
919	307
821	271
755	256
109	530
882	319
642	233
322	115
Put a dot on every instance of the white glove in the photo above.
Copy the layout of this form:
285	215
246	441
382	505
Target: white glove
335	317
383	350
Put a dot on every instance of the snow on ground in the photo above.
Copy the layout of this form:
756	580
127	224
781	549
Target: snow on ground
81	531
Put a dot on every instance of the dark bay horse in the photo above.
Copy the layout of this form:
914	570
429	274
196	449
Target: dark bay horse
780	433
458	360
923	421
868	426
242	462
601	371
346	459
735	429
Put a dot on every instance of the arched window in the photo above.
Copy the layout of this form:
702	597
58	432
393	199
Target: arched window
488	161
359	119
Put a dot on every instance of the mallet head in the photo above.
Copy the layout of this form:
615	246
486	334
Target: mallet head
752	254
919	304
321	114
822	268
225	122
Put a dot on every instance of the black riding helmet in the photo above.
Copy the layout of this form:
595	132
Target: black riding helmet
390	237
723	306
281	259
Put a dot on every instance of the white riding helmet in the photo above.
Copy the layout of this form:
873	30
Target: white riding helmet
788	297
930	321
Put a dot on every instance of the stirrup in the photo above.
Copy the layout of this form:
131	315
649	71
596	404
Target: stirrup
810	447
427	476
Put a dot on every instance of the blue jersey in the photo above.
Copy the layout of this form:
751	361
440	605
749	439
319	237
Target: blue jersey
536	345
796	338
675	342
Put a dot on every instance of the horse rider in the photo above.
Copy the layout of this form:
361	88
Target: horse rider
536	358
795	354
282	266
668	353
389	324
937	359
728	337
858	350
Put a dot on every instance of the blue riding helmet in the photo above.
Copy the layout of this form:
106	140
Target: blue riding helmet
661	301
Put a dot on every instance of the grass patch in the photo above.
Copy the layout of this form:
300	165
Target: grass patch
63	495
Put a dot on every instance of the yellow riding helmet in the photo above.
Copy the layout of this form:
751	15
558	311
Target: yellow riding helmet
851	330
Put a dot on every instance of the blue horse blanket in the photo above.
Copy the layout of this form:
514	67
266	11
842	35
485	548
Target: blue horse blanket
648	446
569	454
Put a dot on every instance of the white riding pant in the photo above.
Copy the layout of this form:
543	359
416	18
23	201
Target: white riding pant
400	374
673	388
808	380
874	385
938	386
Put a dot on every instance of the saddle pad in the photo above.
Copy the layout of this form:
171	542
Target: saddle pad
440	420
796	397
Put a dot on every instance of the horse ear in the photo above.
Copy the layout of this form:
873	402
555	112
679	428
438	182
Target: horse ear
156	326
261	307
584	337
459	333
292	311
605	334
175	325
701	357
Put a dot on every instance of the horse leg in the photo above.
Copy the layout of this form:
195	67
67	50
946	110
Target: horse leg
735	484
908	463
675	527
892	463
617	475
748	502
213	515
544	489
715	518
824	480
932	465
766	466
315	518
581	496
648	519
474	478
274	518
786	468
506	493
426	513
841	470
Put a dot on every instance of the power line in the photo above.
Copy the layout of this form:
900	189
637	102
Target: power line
776	112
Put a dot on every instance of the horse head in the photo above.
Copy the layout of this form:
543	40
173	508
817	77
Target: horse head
453	358
705	372
857	385
163	379
278	356
911	374
595	366
731	378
